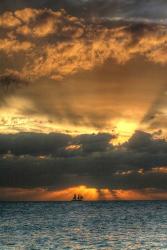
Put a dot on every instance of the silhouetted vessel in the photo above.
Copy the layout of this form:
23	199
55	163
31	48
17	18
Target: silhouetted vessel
77	197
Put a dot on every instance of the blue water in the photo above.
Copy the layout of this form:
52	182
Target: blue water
83	225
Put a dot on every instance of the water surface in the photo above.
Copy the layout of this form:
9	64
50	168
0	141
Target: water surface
83	225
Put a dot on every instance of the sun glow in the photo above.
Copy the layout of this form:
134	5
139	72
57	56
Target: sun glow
124	129
89	194
67	194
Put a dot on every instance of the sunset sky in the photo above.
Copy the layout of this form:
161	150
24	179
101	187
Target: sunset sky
83	107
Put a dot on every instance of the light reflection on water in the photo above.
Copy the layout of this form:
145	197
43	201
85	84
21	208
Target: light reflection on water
83	225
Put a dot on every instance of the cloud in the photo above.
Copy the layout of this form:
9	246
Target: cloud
95	142
10	46
12	79
8	20
36	160
109	8
143	142
33	144
99	100
57	44
38	144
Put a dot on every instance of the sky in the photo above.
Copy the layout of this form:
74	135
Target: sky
83	105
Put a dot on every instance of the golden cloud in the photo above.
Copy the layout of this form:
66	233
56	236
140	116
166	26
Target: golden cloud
26	15
63	44
11	46
8	20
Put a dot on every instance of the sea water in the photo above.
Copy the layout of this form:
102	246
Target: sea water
83	225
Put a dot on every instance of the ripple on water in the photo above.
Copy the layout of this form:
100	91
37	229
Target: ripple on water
87	225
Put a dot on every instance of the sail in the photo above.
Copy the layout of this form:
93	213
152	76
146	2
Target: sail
77	197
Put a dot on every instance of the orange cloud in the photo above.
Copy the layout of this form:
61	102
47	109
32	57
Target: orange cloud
11	46
73	45
26	15
73	147
8	20
162	170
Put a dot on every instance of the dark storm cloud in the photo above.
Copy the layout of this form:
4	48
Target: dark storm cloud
110	8
36	144
62	173
94	143
33	144
111	167
144	142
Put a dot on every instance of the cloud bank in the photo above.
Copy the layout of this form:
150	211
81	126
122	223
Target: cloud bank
59	161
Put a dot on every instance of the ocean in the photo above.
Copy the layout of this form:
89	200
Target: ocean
83	225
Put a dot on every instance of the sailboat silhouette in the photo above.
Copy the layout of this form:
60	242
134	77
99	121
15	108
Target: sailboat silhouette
77	197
